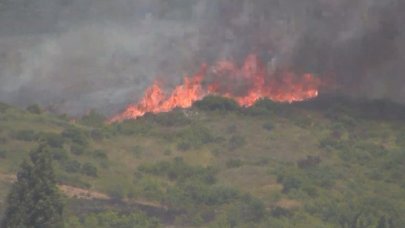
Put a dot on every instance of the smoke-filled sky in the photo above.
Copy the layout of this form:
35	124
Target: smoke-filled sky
76	55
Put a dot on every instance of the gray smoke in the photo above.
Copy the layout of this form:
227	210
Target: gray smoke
76	55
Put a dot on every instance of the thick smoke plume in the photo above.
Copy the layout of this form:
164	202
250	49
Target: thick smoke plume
76	55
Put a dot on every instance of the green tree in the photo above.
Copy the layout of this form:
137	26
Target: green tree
34	200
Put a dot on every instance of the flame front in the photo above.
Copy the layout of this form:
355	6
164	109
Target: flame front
246	84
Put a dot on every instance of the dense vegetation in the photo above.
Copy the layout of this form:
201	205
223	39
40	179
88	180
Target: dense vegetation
331	162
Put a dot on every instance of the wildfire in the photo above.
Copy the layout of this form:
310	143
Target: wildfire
245	84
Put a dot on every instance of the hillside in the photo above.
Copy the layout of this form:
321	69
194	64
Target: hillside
329	162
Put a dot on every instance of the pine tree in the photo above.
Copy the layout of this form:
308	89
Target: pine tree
34	200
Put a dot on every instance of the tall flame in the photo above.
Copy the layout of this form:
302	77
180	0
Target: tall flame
245	84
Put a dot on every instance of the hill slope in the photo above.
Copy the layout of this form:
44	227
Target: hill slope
329	162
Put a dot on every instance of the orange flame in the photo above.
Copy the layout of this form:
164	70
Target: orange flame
245	84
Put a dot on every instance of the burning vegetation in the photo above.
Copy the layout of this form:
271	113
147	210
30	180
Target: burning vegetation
245	84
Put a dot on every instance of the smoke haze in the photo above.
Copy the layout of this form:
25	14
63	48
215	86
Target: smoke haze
82	54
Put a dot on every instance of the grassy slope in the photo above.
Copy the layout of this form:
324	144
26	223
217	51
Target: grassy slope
251	150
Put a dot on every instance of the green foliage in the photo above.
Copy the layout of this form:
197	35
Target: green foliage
76	136
98	134
100	154
34	109
234	163
52	139
178	170
25	135
194	136
268	126
34	200
60	154
72	166
93	119
89	170
111	219
116	192
235	142
309	162
216	103
4	107
3	153
248	210
132	127
175	118
183	146
77	149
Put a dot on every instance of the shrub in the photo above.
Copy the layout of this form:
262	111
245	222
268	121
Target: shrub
133	127
171	119
137	151
289	182
167	152
59	154
3	153
75	135
183	146
93	119
53	140
234	163
236	141
34	109
4	107
100	154
25	135
72	166
97	134
268	126
216	103
308	162
250	210
180	171
77	149
90	170
194	136
116	193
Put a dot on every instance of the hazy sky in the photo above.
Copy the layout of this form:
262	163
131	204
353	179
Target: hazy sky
83	54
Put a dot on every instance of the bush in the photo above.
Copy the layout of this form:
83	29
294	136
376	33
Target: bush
25	135
137	151
308	162
250	210
100	154
76	136
4	107
97	134
93	119
90	170
77	149
268	126
216	103
183	146
289	182
133	127
59	154
116	193
34	109
53	140
171	119
194	136
236	141
180	171
234	163
108	219
72	166
3	153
